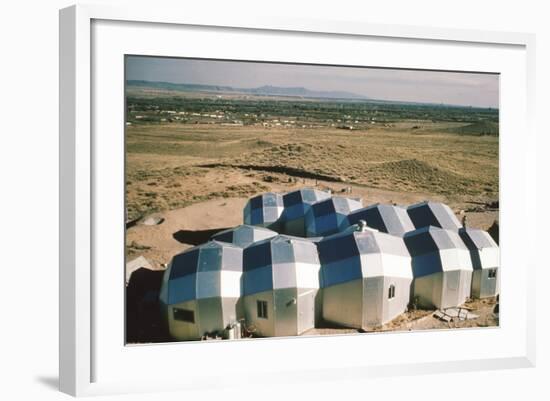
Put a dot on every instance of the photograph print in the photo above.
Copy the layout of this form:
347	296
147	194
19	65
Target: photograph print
282	200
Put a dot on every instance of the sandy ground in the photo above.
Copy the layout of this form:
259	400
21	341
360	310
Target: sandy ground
425	320
183	228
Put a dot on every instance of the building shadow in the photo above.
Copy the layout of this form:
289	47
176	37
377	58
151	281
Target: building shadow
195	237
493	231
144	322
52	382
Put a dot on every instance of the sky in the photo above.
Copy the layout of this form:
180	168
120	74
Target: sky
453	88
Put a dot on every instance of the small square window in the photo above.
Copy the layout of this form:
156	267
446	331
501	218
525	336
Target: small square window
492	273
262	309
391	292
184	315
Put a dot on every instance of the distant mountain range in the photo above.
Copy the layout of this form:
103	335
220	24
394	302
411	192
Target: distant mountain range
266	90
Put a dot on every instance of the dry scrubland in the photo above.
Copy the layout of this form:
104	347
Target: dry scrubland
172	166
454	166
198	176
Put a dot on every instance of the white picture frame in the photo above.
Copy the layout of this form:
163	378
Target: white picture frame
92	351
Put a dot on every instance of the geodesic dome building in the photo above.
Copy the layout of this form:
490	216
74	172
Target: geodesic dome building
201	289
296	205
264	210
442	268
484	253
244	235
365	277
435	214
281	285
389	219
329	216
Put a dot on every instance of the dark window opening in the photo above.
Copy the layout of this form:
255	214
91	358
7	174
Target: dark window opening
262	309
391	292
492	273
184	315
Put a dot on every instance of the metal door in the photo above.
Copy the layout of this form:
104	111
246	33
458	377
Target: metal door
452	296
306	311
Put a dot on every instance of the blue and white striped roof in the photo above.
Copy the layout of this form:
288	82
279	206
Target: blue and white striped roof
213	269
297	202
329	216
263	210
484	250
435	214
244	235
435	250
356	254
389	219
280	262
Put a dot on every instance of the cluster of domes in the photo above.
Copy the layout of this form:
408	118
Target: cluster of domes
305	258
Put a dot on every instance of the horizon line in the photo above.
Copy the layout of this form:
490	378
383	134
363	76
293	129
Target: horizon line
360	98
